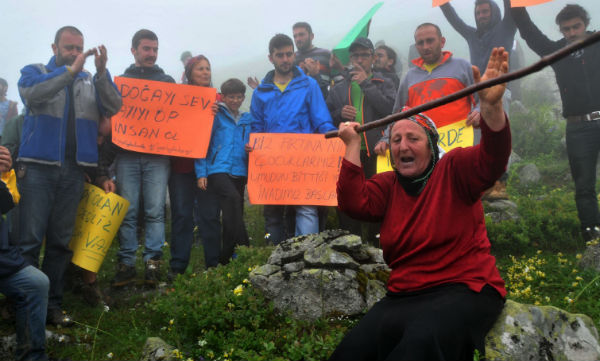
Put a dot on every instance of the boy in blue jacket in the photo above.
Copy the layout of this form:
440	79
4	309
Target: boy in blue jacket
224	171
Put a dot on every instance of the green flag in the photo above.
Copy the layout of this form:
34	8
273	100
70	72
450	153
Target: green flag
360	29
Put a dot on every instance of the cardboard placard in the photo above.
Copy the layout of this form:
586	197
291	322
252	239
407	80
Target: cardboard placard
455	135
294	169
99	217
163	118
518	3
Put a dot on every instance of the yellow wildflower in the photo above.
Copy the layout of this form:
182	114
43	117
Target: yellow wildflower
238	290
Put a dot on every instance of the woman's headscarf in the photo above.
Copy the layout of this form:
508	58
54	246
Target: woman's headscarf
414	186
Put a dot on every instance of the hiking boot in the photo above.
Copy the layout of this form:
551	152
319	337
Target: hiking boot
497	192
57	317
125	275
172	275
592	235
91	293
152	272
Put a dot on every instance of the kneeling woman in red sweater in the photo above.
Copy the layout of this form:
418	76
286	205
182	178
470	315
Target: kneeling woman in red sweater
444	291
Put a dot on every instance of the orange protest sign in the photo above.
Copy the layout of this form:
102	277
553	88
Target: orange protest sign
517	3
163	118
294	169
439	2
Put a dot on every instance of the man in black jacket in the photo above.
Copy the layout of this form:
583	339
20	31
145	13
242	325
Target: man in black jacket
363	96
141	176
578	80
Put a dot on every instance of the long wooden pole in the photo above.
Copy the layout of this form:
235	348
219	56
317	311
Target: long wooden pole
542	63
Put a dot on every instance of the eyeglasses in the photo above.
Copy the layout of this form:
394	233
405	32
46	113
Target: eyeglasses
356	56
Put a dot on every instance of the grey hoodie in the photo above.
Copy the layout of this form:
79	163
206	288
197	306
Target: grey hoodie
501	32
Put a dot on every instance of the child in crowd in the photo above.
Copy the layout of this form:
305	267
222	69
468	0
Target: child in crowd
224	171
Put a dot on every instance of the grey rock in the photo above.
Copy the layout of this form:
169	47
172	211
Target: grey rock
325	257
591	258
502	210
318	275
526	332
529	174
513	159
155	349
293	267
376	255
375	291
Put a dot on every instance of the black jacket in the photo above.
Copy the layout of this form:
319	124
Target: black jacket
379	92
108	151
11	260
577	75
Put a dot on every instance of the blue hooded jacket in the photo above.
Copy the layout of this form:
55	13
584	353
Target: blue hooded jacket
44	92
226	153
300	108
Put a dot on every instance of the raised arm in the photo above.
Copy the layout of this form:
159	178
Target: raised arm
533	36
457	23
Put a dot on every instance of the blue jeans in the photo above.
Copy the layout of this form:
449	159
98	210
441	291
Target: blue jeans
583	146
307	222
29	289
182	193
144	175
49	199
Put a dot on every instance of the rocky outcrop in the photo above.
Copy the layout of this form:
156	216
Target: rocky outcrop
541	333
330	273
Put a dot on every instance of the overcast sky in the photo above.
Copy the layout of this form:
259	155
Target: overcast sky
233	34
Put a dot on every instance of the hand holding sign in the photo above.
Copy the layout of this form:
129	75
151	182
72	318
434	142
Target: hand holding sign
164	118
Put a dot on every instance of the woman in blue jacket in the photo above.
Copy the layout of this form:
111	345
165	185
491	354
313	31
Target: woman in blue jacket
224	171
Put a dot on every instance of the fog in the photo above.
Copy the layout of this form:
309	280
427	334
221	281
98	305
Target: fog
233	34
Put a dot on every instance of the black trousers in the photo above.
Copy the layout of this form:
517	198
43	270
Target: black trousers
442	323
230	192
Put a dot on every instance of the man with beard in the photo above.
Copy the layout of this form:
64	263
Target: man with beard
492	30
141	179
288	101
436	74
385	63
312	60
64	104
578	80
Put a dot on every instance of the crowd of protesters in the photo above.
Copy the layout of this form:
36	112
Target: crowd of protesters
63	138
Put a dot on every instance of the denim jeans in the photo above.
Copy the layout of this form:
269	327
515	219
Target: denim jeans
209	226
230	193
307	222
583	146
144	175
182	193
29	289
49	199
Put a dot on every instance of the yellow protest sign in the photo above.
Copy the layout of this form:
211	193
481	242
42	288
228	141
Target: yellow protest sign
384	162
98	218
455	135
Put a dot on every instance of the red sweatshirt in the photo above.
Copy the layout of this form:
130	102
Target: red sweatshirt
439	236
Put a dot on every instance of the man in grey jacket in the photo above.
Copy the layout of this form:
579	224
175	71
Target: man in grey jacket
63	104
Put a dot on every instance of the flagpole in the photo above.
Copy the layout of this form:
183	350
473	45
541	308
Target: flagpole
542	63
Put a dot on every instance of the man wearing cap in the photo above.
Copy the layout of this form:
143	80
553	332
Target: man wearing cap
578	80
363	96
436	74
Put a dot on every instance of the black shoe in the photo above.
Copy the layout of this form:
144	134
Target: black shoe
91	293
592	234
57	317
125	275
172	274
152	272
